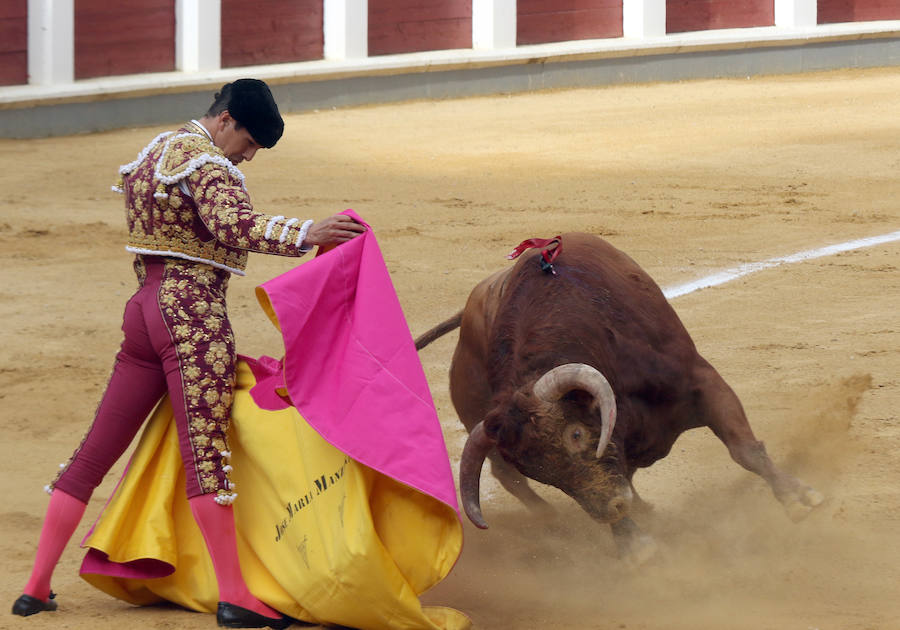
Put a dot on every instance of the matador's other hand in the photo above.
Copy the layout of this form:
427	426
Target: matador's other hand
334	230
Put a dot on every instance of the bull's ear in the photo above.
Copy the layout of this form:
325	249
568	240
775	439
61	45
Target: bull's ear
579	397
503	429
523	400
492	423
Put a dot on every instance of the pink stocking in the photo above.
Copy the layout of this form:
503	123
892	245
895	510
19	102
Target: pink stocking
216	522
63	515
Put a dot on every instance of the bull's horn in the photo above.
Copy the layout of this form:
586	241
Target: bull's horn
476	449
562	379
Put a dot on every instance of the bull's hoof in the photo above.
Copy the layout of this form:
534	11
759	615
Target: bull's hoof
639	550
796	511
799	506
800	501
635	547
812	498
642	550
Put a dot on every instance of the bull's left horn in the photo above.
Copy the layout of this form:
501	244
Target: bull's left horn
562	379
470	463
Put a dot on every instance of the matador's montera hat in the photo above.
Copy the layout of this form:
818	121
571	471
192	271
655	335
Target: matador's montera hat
253	106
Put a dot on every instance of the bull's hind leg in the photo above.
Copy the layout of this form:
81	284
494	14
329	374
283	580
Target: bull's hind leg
720	409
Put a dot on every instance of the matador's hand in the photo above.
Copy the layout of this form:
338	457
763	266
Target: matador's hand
333	231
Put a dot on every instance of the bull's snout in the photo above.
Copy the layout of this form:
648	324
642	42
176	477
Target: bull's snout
607	511
617	508
606	504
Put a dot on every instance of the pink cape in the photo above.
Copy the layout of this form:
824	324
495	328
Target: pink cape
351	367
364	436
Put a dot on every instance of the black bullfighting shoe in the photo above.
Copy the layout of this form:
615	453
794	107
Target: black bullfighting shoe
232	616
27	605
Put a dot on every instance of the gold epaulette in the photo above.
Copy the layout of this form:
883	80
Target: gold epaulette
185	152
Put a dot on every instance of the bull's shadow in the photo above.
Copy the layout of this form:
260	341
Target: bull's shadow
572	369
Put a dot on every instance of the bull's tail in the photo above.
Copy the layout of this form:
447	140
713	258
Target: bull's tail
439	331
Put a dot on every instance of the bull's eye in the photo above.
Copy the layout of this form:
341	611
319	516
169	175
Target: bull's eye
576	437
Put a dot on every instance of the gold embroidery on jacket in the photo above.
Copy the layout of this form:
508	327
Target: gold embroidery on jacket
216	224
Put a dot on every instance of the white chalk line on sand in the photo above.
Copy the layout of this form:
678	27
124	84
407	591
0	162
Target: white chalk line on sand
747	268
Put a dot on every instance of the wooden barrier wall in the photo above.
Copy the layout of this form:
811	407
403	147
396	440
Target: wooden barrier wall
544	21
123	37
271	31
403	26
13	42
115	38
704	15
833	11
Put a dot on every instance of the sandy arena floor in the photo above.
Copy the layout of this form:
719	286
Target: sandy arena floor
687	178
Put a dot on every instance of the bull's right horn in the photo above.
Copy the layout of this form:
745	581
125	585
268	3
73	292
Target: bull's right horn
562	379
476	449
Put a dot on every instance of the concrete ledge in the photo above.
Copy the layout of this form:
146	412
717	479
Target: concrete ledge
162	98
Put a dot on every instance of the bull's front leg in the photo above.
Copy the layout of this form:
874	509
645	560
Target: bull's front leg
635	547
638	505
517	485
720	409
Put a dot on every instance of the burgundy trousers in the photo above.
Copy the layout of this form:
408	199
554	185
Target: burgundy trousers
178	340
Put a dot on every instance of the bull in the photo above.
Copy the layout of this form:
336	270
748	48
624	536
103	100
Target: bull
572	369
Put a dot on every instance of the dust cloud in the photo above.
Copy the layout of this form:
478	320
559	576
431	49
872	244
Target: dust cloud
728	556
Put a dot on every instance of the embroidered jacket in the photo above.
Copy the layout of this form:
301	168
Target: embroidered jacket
184	198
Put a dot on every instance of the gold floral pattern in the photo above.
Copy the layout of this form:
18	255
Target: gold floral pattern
192	302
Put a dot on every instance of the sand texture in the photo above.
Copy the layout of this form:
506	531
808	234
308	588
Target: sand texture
688	179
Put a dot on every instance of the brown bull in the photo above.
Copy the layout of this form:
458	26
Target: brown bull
577	378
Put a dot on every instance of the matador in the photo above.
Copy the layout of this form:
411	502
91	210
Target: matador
190	226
